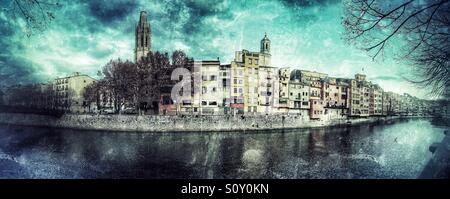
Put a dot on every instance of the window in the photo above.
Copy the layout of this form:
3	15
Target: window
213	103
235	90
214	89
204	103
250	61
235	81
204	90
213	78
256	61
240	90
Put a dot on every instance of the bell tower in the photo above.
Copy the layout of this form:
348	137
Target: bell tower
265	45
143	38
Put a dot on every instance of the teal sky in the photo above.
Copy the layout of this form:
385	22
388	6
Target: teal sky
86	34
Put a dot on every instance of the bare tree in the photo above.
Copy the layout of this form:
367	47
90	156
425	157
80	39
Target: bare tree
120	81
139	85
91	94
37	14
421	28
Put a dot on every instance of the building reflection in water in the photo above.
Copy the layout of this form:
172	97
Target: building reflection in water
396	150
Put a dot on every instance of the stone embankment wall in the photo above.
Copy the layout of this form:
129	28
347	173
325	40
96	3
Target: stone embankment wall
179	123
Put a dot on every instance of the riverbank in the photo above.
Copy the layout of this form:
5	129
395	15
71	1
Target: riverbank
439	165
152	123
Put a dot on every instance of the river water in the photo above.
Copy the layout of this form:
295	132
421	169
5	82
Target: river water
395	150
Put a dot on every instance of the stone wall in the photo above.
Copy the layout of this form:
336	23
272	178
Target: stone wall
176	123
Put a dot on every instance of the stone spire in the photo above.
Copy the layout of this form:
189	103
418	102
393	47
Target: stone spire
143	37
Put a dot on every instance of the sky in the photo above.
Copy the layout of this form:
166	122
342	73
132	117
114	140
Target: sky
85	35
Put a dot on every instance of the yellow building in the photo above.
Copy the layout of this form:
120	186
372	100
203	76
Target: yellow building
69	92
253	81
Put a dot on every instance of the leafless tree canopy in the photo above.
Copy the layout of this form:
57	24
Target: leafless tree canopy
37	14
421	28
137	85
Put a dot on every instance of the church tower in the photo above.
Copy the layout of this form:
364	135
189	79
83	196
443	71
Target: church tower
264	55
143	38
265	45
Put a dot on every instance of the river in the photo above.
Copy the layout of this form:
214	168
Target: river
395	150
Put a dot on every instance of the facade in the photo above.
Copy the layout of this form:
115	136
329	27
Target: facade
375	100
225	86
268	90
386	104
237	85
299	94
283	101
330	93
211	93
252	81
69	92
143	41
359	96
344	90
314	81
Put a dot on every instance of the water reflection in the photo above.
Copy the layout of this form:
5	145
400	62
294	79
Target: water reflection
397	150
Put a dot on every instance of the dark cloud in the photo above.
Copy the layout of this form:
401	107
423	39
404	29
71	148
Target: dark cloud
299	9
197	12
308	3
109	11
14	70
